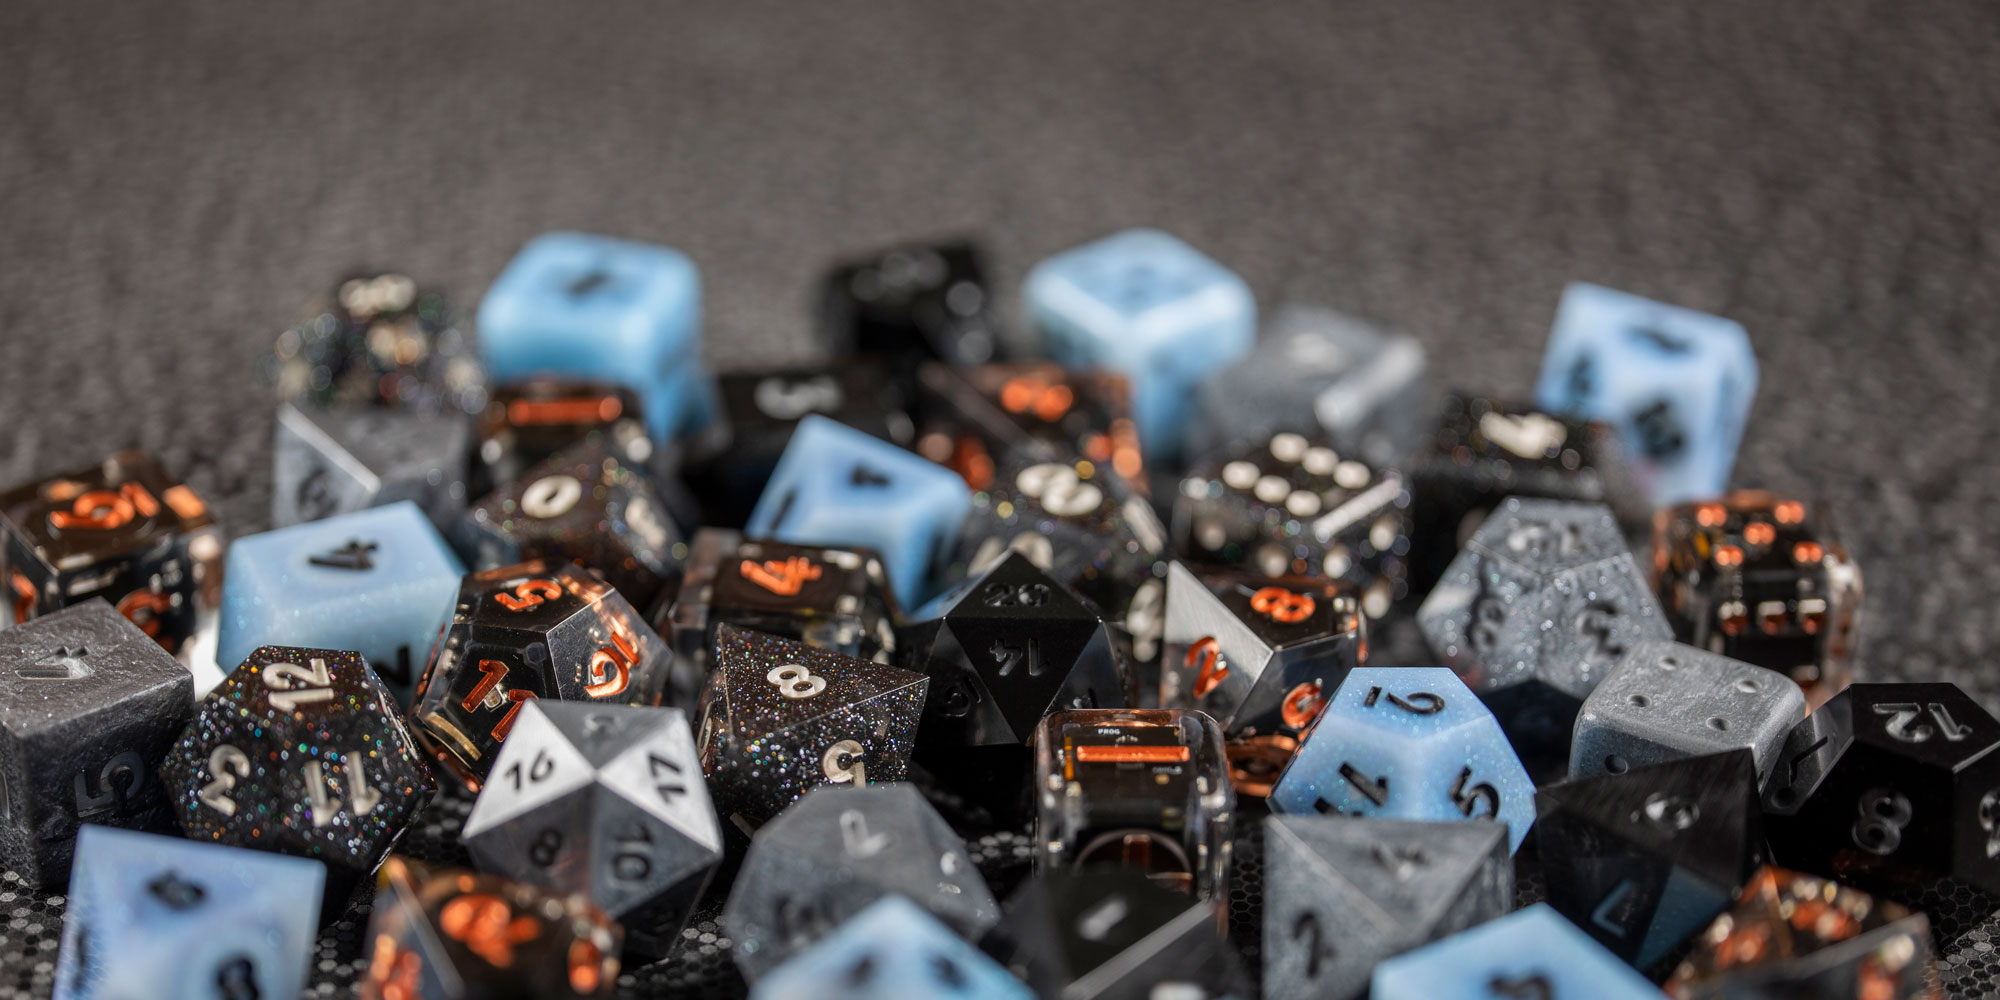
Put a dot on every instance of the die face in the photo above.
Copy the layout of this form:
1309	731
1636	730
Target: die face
378	340
334	461
913	301
526	424
1665	700
763	407
1530	953
1259	655
1110	933
976	420
892	950
1792	935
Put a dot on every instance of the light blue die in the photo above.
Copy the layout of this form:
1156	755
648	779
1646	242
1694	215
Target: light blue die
1411	743
613	310
1147	306
1530	953
835	485
893	950
156	916
1676	383
377	581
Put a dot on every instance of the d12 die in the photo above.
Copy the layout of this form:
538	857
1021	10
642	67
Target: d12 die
379	582
121	530
605	801
762	408
527	423
1260	655
1762	579
1408	743
835	852
1890	785
1676	383
1352	892
333	461
453	935
1642	860
153	916
524	632
838	486
1796	937
1110	934
1531	954
892	950
780	718
978	419
912	302
1665	701
378	340
1141	789
88	706
1148	306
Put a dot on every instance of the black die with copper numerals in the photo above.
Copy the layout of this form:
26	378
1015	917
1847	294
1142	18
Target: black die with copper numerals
977	420
527	423
912	302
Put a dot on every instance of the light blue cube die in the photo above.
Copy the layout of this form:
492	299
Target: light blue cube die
612	310
893	950
1530	953
1409	743
835	485
377	581
155	916
1676	383
1147	306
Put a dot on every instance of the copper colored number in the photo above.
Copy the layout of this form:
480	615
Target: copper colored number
1301	704
781	578
529	594
102	510
494	670
1281	605
1206	656
611	667
487	927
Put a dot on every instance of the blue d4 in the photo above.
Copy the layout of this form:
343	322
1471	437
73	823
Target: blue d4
838	486
154	916
1676	383
893	950
378	581
1147	306
594	307
1531	954
1411	743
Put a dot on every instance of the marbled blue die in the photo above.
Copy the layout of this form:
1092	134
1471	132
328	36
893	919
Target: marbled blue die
1412	743
155	916
835	485
1530	953
377	581
892	950
1676	383
1147	306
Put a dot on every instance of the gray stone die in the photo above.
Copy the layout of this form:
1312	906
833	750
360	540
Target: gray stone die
1666	701
326	462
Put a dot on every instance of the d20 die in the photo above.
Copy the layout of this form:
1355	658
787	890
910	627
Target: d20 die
838	850
1408	743
453	935
1111	934
780	718
1796	937
1352	892
762	408
1890	785
379	582
1532	953
161	916
838	486
1665	701
334	461
893	950
1676	383
526	424
978	419
1642	860
524	632
605	801
912	302
1260	655
378	340
1147	306
88	706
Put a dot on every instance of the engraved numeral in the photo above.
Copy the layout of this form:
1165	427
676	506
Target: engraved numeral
1530	435
795	681
488	927
611	667
1318	954
842	763
1376	790
1000	595
352	556
1416	703
855	837
114	787
1603	917
1281	605
632	859
780	399
293	686
784	579
1211	668
227	764
1595	624
175	892
1468	799
1097	923
65	664
1532	986
669	785
236	979
103	510
1904	713
1884	812
489	694
529	594
545	847
538	770
865	476
1989	821
551	496
1010	655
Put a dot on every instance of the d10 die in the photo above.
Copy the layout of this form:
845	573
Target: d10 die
1408	743
838	850
780	718
378	340
605	801
88	706
1676	383
978	419
453	935
1665	701
1261	656
912	302
1890	785
1148	306
838	486
379	582
153	916
1352	892
1110	934
333	461
1762	579
892	950
526	424
1532	953
524	632
121	530
1792	935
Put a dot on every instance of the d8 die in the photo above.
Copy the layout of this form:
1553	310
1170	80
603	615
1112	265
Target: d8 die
1796	936
333	461
88	706
977	419
1150	307
153	916
380	582
1676	383
1408	743
594	307
892	950
1532	953
837	851
779	718
378	340
1762	579
121	530
1113	934
607	802
527	423
523	632
912	302
1665	701
837	486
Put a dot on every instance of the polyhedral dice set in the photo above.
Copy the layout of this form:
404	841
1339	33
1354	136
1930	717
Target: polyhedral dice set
1076	661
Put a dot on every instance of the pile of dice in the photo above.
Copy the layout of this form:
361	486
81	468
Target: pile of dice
1114	584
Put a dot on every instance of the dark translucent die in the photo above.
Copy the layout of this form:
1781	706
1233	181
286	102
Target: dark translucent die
334	461
1113	934
912	302
527	423
379	340
977	420
1799	937
524	632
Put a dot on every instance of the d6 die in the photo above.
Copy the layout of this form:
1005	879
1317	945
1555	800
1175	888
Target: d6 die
378	340
892	950
912	302
1665	701
527	423
1532	953
332	461
977	419
763	408
1114	934
1792	935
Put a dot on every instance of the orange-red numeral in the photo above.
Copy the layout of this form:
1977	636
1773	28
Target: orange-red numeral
102	510
529	594
493	671
1206	657
611	667
487	927
781	578
1281	605
1301	704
